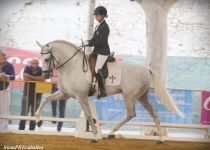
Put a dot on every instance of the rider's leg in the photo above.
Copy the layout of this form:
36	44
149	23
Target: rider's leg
92	62
101	59
101	84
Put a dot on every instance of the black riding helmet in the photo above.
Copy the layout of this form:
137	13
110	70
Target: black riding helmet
100	10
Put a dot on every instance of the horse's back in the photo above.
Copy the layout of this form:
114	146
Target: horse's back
134	68
135	74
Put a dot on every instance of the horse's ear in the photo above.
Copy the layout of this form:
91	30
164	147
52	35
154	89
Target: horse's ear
39	44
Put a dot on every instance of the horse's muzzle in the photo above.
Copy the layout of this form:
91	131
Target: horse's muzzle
46	74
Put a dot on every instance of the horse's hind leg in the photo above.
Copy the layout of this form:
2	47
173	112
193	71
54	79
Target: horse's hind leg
145	102
129	103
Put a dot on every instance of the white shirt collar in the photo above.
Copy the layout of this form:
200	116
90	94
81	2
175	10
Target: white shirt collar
99	24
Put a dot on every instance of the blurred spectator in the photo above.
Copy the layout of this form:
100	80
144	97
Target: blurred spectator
31	73
7	73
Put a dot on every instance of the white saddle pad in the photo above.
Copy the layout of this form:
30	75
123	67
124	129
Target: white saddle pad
114	77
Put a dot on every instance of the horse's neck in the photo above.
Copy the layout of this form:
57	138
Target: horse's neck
65	52
73	67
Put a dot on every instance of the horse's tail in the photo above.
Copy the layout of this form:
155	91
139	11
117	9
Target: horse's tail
163	93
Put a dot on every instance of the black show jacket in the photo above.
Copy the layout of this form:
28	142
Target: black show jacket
100	39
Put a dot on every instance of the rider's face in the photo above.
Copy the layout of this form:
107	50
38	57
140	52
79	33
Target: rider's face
98	18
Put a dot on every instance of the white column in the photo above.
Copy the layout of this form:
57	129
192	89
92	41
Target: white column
156	12
90	21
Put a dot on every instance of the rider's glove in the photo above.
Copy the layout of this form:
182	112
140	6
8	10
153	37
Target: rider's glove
86	43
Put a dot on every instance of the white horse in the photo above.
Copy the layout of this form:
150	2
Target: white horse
135	83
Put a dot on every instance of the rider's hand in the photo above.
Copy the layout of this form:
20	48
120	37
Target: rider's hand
86	43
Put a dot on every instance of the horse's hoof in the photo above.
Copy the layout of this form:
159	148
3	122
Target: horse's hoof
160	142
93	141
39	123
111	136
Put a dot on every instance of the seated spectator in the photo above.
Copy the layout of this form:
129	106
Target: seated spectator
31	73
7	73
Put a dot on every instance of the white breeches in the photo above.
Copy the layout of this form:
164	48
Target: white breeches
4	108
101	59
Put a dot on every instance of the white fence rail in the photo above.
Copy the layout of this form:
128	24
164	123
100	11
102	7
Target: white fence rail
143	132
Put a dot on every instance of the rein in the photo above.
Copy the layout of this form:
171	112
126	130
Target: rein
68	60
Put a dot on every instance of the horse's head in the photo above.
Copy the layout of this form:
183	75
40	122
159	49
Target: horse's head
47	59
58	53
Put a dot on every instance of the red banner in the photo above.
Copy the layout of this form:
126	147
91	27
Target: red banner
205	109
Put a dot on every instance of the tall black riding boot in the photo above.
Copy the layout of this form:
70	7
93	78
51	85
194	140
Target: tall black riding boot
101	82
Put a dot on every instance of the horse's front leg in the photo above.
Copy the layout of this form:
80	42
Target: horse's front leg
86	108
58	95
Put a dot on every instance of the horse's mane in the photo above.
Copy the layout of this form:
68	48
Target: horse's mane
65	42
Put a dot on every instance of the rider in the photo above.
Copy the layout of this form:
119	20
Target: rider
101	47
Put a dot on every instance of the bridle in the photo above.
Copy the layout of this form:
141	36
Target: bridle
53	61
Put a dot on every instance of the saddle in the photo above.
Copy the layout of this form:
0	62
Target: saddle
92	63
